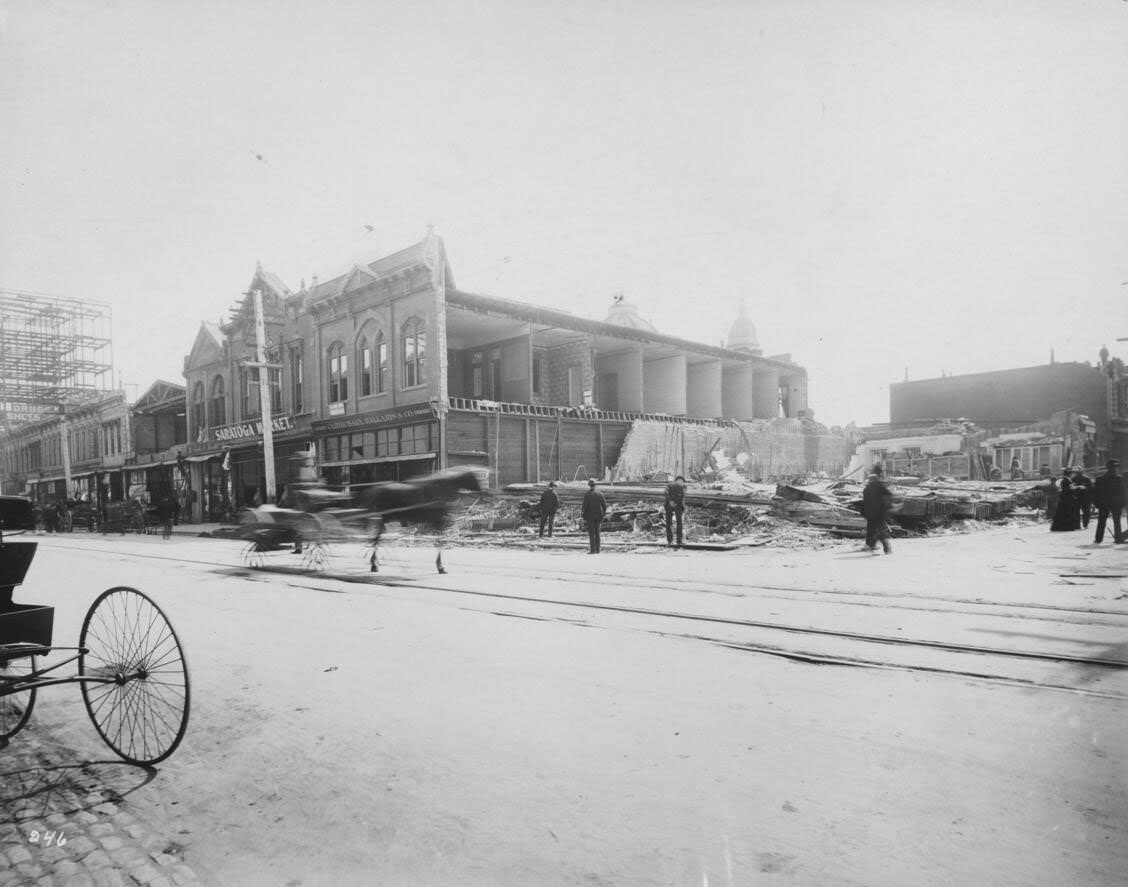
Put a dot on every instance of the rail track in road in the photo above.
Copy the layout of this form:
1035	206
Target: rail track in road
808	643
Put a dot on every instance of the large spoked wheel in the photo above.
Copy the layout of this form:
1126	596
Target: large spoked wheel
253	555
141	708
15	708
316	557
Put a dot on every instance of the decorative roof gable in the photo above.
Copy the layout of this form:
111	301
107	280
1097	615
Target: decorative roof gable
159	397
207	348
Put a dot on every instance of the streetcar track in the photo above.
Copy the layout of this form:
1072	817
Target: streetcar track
887	600
965	649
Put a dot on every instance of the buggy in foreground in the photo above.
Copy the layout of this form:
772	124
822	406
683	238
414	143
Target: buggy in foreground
130	667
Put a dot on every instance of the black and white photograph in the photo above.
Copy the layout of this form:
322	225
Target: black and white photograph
504	443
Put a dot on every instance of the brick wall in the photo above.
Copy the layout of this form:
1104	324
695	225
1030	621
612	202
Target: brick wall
1007	396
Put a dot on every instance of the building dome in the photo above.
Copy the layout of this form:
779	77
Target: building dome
624	313
742	334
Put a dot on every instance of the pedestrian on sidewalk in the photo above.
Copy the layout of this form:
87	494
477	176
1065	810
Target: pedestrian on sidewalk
877	503
675	510
592	510
1065	514
166	510
549	505
1109	495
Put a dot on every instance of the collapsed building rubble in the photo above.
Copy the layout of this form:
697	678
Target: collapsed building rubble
732	499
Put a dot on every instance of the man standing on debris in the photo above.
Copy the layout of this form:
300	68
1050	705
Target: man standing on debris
877	502
1108	492
675	509
549	504
592	510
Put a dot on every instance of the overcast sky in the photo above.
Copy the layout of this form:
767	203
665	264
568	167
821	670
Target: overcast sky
892	188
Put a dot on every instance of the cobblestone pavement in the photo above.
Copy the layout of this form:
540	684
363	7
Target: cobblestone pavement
66	822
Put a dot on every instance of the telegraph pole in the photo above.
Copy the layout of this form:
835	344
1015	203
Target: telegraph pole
264	369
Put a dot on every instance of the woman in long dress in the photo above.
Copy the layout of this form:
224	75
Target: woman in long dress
1065	515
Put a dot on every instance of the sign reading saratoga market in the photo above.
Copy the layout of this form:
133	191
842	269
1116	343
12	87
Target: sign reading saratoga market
248	430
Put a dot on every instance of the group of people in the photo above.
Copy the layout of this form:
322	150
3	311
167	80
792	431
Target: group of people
1070	500
593	510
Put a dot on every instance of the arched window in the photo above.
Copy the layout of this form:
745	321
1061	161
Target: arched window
199	416
218	405
364	360
414	337
381	363
252	406
338	373
372	358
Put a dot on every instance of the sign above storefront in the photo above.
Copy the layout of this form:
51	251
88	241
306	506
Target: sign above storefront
376	419
249	430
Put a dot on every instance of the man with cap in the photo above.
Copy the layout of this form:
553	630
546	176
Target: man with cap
675	509
549	504
1108	493
592	510
877	502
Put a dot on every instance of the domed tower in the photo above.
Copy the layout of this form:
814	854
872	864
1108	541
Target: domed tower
625	313
742	334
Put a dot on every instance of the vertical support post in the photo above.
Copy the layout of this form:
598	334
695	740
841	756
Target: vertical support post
264	397
64	452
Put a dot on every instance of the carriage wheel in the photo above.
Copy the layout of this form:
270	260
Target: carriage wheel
15	708
316	557
143	713
252	555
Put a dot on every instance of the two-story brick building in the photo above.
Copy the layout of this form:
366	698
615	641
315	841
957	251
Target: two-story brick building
390	370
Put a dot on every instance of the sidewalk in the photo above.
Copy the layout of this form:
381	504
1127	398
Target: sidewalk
68	821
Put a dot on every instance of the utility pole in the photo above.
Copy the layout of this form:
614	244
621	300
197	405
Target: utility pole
264	369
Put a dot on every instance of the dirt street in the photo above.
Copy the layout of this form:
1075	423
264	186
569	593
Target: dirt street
952	714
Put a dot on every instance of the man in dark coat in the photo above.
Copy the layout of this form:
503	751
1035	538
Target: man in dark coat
166	510
1108	493
675	509
592	510
877	502
1083	496
549	504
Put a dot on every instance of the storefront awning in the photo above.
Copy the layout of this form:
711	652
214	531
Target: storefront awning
380	460
203	458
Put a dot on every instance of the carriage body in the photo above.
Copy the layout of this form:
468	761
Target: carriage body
127	653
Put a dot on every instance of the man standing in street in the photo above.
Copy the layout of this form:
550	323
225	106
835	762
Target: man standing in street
592	510
675	509
1108	492
1082	496
549	504
877	502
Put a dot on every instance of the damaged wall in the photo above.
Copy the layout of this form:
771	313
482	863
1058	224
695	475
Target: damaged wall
762	449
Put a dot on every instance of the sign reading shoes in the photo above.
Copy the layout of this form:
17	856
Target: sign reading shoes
250	430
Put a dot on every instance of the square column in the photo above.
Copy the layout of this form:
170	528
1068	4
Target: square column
703	394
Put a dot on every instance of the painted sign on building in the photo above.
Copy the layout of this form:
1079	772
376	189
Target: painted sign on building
369	420
249	430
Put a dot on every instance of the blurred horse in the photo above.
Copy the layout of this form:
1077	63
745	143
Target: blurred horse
425	501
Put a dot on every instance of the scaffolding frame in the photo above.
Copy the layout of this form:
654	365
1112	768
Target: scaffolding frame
54	351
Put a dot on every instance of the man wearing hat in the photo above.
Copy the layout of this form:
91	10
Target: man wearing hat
675	508
549	504
592	510
1108	493
877	502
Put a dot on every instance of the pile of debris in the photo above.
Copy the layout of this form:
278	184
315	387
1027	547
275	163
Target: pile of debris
731	511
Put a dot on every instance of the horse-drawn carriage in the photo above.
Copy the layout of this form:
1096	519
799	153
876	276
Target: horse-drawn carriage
129	663
323	516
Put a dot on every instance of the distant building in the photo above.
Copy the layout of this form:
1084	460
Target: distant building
1004	397
979	425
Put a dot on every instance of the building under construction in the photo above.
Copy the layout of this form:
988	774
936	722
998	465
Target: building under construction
54	351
